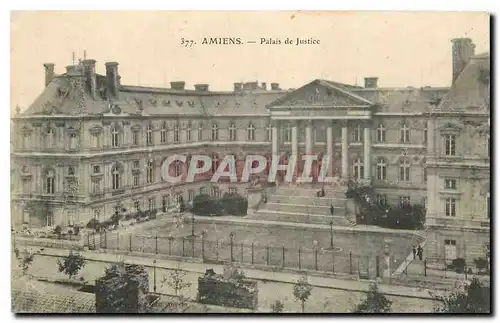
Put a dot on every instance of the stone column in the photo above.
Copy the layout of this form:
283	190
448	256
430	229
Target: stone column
367	152
274	138
308	137
294	139
329	146
345	151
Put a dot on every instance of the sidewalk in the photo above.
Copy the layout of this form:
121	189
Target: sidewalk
333	283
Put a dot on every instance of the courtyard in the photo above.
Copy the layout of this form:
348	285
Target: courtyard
298	247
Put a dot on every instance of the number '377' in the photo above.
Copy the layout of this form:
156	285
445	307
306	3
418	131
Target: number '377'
187	42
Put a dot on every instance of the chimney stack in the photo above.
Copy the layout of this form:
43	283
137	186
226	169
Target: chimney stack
201	87
90	77
238	87
275	86
462	51
112	78
49	73
371	82
178	85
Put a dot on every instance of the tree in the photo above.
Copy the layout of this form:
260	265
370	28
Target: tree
25	260
473	297
375	302
71	264
277	307
301	291
176	281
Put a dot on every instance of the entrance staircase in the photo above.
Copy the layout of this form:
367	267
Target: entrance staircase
300	204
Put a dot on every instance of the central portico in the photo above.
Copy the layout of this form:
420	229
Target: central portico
314	116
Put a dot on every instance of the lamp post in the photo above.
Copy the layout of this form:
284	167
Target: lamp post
331	235
231	236
154	276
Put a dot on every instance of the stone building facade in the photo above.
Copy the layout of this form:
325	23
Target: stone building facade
89	146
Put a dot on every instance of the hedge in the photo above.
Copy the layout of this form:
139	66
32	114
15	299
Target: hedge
233	204
216	290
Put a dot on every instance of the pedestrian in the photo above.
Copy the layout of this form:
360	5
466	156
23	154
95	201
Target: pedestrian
332	209
420	252
414	253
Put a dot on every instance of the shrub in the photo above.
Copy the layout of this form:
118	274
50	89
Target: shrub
234	204
206	205
58	230
481	263
458	265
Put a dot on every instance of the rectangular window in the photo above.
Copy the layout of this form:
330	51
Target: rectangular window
382	199
96	186
404	200
135	138
26	186
450	184
96	213
450	207
449	144
449	242
152	204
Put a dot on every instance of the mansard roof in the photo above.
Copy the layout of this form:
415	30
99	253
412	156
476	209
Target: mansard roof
471	90
68	95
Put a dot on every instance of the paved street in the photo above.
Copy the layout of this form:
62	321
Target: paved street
340	295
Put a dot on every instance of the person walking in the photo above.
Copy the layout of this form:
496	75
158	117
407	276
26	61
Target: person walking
414	252
420	252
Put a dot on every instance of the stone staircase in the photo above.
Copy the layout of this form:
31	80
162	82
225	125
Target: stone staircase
300	204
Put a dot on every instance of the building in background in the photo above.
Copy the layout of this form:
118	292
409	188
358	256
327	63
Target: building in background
89	147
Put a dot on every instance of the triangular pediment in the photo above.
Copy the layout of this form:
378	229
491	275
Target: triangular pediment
321	93
450	127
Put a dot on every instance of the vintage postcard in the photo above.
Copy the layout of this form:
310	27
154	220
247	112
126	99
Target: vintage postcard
250	162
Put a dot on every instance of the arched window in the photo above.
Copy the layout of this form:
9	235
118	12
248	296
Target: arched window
215	131
215	163
357	133
200	131
49	182
381	133
115	177
163	133
381	169
50	138
177	168
358	169
405	134
232	131
404	170
251	132
188	131
288	132
177	133
150	176
149	134
115	133
450	145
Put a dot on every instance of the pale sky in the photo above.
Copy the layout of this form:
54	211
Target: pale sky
402	49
